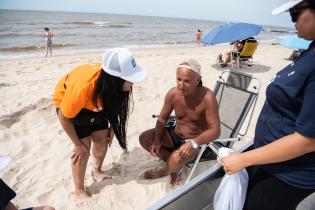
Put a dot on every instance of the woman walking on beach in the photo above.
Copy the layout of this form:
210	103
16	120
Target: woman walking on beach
282	171
92	103
48	41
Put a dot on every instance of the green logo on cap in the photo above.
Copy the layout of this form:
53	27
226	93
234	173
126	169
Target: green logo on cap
133	63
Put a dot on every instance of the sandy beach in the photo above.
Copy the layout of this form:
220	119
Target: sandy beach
31	135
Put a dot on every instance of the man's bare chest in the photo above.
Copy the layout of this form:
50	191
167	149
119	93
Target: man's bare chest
189	111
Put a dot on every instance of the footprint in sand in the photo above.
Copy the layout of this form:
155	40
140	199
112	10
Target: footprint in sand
4	85
8	120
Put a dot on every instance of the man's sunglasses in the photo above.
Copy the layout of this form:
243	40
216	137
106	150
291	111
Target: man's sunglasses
296	11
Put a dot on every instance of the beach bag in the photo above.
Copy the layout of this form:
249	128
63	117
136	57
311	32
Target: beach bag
87	117
231	193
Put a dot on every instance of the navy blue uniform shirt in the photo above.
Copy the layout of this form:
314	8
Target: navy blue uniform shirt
289	108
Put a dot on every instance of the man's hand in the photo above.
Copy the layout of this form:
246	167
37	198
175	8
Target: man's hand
186	150
78	152
155	148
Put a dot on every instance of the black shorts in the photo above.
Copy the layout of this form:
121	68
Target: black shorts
6	194
84	131
177	140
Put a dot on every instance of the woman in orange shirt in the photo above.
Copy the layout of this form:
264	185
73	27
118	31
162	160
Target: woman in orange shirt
92	103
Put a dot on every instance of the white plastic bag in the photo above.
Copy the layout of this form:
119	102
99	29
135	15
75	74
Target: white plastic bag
231	193
4	162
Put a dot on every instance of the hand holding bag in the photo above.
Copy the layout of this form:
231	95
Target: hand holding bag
231	193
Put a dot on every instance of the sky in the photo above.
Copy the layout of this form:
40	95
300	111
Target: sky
251	11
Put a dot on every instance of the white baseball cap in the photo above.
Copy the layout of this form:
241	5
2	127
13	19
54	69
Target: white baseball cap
285	7
120	62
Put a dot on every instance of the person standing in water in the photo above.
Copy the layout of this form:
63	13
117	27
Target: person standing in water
48	42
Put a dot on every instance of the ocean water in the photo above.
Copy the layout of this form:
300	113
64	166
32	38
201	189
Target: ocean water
21	32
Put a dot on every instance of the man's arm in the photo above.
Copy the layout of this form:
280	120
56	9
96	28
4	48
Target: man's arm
160	123
212	118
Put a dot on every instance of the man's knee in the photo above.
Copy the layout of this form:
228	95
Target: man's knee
145	137
176	159
142	138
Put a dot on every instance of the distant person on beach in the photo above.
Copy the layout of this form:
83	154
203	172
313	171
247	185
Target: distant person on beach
197	122
7	194
237	48
198	37
48	41
281	166
92	102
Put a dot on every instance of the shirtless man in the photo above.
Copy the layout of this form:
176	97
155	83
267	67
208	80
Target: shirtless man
197	122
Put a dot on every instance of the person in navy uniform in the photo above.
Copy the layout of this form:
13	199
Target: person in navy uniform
281	166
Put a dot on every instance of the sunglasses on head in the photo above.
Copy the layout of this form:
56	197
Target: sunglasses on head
296	11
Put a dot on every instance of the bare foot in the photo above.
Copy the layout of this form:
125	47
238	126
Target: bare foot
176	178
156	173
99	176
80	195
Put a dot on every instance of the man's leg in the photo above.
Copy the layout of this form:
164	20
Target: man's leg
99	150
177	161
146	140
78	171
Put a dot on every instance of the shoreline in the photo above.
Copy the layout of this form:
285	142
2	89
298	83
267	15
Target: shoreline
71	51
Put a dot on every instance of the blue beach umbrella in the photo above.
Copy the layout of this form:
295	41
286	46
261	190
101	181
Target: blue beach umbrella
295	42
231	32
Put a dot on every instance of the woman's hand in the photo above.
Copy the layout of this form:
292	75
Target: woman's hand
110	136
78	152
233	163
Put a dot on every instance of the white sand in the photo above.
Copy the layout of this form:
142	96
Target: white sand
40	150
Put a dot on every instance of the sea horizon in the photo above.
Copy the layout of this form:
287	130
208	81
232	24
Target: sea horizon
21	31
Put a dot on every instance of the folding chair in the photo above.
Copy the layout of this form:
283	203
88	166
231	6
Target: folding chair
236	93
247	52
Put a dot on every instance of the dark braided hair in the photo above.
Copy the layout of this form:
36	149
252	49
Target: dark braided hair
115	103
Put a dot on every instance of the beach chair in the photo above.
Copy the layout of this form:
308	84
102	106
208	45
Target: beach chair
236	93
247	52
